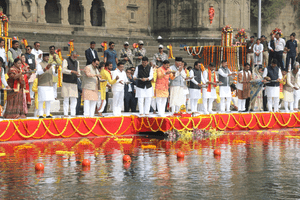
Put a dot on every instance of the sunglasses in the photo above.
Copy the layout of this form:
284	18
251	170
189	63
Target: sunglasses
28	49
126	45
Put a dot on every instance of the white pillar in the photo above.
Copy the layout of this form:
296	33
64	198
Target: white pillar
259	19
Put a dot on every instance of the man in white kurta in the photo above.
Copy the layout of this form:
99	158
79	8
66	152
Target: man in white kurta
45	74
288	89
195	86
3	80
69	91
144	90
297	84
37	52
273	75
177	85
209	91
118	88
225	91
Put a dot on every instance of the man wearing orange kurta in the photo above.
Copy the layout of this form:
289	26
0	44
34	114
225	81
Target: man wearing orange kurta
162	87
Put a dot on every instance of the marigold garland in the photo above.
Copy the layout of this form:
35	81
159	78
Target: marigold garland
260	121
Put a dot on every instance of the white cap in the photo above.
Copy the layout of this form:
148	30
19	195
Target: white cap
126	43
141	42
161	46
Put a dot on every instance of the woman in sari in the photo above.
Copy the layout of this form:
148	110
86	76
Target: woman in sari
256	95
17	106
26	68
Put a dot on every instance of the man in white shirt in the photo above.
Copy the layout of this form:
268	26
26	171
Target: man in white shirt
177	85
3	80
195	86
225	91
297	84
37	52
209	91
144	90
279	48
45	73
118	89
2	52
273	75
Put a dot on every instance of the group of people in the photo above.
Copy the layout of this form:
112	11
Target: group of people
152	84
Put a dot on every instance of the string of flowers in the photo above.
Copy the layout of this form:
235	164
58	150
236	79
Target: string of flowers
241	35
275	31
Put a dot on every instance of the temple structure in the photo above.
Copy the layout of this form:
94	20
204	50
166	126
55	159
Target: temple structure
190	22
171	19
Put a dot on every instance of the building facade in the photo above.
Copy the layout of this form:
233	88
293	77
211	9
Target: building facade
176	21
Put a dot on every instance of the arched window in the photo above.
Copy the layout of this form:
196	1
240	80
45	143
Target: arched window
97	13
75	13
3	6
52	12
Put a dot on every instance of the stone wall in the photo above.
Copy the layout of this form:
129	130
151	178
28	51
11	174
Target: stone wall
189	20
287	20
86	17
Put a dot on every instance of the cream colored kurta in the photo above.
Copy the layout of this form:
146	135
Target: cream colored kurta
87	94
69	89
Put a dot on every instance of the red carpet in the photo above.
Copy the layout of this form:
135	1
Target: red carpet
32	129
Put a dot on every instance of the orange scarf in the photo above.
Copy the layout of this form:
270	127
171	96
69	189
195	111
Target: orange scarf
209	79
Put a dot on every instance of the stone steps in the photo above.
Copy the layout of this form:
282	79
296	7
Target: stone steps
82	43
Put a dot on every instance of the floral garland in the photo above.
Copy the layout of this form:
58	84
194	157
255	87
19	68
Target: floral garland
241	35
104	46
190	125
275	31
3	25
211	13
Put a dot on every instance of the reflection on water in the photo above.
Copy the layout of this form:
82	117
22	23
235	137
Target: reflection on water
253	165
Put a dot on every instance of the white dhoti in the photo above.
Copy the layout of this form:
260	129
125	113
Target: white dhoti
296	98
118	101
241	104
89	107
45	95
210	96
272	94
55	90
225	92
144	96
195	95
177	97
161	105
73	105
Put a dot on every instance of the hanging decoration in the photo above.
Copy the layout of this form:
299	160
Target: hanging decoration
104	46
59	83
24	41
275	31
71	45
227	36
211	13
170	48
3	24
241	35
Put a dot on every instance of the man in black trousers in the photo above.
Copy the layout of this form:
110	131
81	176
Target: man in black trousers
129	93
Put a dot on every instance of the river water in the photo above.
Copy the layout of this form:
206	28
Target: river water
253	165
